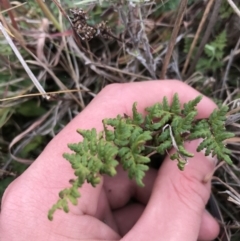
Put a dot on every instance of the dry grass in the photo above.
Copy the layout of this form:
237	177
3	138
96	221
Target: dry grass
149	40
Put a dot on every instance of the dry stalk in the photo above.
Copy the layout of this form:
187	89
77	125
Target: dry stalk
212	22
228	66
234	7
6	4
149	62
23	62
49	15
181	10
196	37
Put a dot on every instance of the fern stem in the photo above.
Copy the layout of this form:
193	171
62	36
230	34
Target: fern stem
151	154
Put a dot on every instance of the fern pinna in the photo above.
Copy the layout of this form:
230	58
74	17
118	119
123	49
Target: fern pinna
131	140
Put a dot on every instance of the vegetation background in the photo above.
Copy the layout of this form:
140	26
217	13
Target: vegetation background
194	41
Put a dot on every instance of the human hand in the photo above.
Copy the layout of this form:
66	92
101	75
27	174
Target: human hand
171	206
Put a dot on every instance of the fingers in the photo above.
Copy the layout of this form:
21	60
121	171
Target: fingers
127	216
120	190
177	203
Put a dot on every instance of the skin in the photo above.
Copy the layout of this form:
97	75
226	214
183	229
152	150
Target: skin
171	206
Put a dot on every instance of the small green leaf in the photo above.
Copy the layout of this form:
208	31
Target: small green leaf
175	106
137	117
166	106
73	200
181	164
32	146
65	206
5	115
162	148
109	134
31	109
75	193
191	105
184	152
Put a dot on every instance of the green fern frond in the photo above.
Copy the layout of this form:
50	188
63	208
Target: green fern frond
164	136
69	194
176	107
214	133
218	117
165	104
184	152
214	50
161	149
213	147
133	164
181	161
129	141
109	134
137	117
131	159
122	131
191	105
157	112
200	130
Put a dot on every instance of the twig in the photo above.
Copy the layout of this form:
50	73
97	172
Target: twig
22	61
11	8
49	93
7	6
178	22
234	7
200	27
228	67
235	193
212	22
149	63
49	14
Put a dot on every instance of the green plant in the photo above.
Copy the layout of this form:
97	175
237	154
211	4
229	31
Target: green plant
214	52
130	141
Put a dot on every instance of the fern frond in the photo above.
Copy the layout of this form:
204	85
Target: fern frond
69	194
201	129
164	136
181	161
128	141
184	152
158	116
191	105
215	148
214	133
131	159
214	50
165	104
162	148
133	164
109	134
137	117
175	106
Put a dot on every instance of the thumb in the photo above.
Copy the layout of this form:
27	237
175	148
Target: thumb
177	203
